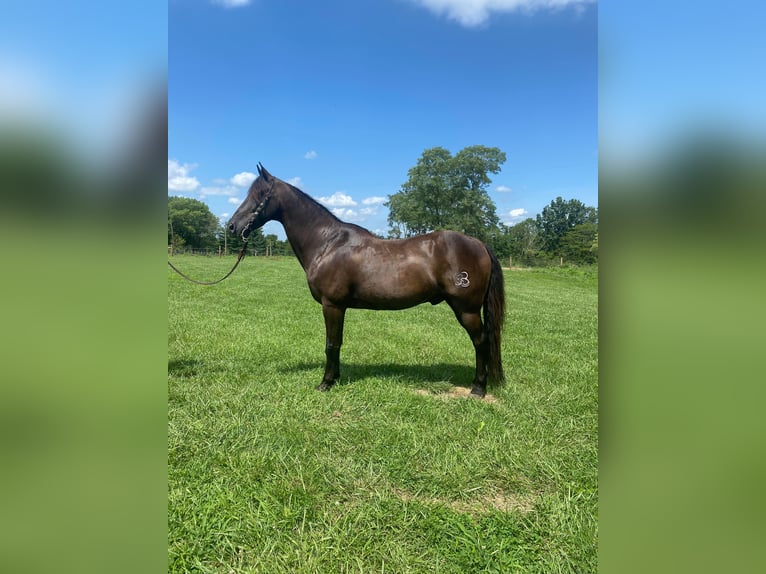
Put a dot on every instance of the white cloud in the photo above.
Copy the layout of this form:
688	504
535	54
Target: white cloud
355	215
214	190
311	154
232	3
345	207
234	200
338	199
243	179
296	181
179	178
344	212
503	189
517	212
471	13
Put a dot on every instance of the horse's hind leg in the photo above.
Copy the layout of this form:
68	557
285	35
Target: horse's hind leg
471	322
333	321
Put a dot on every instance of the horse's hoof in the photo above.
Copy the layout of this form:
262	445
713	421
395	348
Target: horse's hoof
477	393
324	387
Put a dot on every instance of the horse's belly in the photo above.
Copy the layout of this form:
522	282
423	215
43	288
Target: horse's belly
394	288
390	303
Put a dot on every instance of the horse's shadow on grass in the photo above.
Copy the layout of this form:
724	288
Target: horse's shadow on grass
415	376
408	375
184	367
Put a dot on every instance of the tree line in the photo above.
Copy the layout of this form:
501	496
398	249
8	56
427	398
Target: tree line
442	192
565	230
193	227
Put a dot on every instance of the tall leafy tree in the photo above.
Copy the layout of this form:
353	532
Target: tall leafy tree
191	223
523	239
577	244
448	192
558	218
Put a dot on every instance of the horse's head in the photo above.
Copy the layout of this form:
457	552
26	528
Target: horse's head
257	208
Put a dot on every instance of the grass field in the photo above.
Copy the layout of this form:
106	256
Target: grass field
393	470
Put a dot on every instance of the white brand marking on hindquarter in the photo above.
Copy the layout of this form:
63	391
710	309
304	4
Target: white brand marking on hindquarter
461	279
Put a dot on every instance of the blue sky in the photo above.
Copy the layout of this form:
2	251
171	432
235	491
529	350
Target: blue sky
341	98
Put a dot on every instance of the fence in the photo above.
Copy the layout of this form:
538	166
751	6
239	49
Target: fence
268	251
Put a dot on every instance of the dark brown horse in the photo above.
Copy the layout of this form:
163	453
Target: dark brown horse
348	267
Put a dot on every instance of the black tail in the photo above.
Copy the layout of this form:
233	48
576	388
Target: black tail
494	318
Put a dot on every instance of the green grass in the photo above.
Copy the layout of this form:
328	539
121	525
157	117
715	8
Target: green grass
387	472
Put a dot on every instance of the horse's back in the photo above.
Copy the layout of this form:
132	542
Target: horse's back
374	273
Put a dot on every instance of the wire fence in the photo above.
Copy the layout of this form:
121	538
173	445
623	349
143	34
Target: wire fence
254	251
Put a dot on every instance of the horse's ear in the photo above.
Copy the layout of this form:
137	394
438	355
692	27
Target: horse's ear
262	170
259	168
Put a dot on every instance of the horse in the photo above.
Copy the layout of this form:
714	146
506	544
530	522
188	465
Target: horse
347	267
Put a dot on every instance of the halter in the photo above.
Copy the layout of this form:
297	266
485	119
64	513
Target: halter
257	211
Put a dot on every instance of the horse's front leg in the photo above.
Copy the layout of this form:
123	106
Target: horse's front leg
333	322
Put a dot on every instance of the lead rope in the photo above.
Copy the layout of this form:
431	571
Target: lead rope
185	276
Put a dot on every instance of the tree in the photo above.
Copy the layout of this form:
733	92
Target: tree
558	218
523	240
447	192
577	245
192	223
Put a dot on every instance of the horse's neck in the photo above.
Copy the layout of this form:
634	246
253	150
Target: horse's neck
307	224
